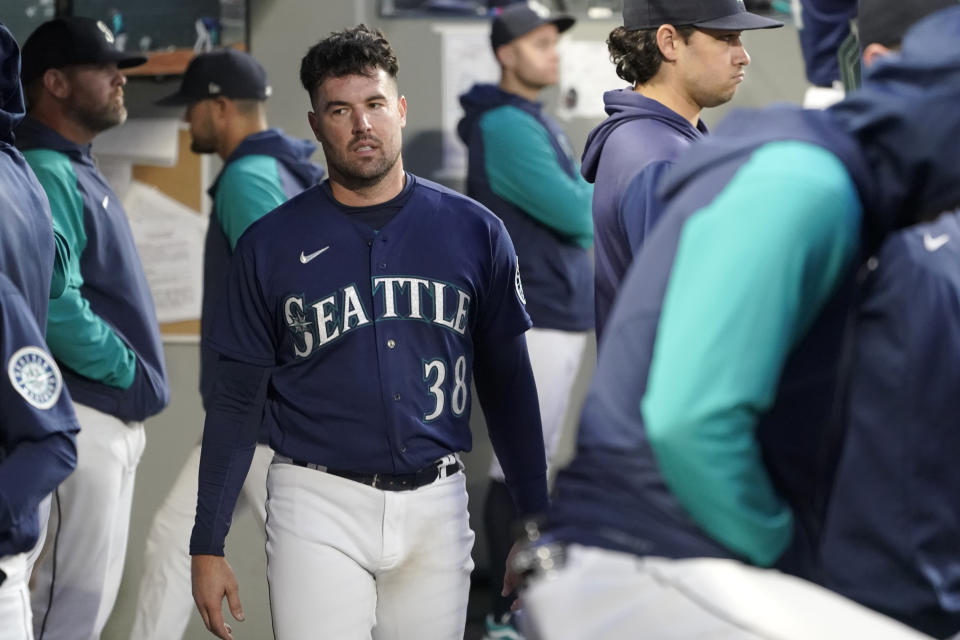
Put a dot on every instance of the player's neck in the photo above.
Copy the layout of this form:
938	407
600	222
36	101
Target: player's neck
238	133
67	127
386	189
668	95
512	84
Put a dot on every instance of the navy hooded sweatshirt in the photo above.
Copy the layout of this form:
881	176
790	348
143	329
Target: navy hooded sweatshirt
637	132
522	168
264	171
730	452
27	253
103	329
37	425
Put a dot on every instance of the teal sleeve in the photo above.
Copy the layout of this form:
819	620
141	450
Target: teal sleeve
78	337
249	188
522	168
752	272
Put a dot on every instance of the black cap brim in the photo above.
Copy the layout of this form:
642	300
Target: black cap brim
563	23
744	21
123	60
175	100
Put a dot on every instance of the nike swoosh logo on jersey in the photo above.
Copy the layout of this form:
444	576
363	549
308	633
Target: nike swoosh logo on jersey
307	258
931	243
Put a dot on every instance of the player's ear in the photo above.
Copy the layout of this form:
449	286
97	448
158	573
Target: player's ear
56	82
221	106
668	40
314	121
506	55
402	108
873	52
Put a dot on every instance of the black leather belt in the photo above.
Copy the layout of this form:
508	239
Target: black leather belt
443	468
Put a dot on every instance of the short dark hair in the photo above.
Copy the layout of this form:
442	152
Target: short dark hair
357	51
636	53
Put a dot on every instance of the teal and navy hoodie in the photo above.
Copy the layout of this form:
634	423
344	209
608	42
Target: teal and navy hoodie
522	168
264	171
709	429
103	329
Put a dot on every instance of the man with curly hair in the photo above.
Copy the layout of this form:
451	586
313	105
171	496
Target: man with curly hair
358	311
680	57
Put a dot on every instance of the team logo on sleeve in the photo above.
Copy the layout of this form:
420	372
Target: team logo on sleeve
35	376
519	285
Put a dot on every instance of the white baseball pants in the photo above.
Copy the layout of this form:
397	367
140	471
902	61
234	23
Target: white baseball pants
555	358
602	595
15	614
81	563
347	561
165	600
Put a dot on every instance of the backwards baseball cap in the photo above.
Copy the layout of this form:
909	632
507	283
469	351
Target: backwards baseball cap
62	42
886	21
519	19
224	72
730	15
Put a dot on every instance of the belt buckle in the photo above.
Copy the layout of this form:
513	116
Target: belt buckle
375	481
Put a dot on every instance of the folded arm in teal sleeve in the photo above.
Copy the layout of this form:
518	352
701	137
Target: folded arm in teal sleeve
522	168
752	272
78	337
249	187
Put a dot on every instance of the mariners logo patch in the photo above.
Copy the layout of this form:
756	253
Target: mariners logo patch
520	286
35	376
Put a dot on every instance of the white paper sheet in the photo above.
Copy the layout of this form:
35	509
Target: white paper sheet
170	238
467	59
585	74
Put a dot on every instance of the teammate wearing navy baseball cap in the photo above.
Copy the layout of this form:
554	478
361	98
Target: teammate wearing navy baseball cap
522	167
707	445
361	310
224	93
680	57
103	329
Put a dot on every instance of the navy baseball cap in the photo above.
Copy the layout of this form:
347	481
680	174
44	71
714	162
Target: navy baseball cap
886	21
62	42
519	19
728	15
224	72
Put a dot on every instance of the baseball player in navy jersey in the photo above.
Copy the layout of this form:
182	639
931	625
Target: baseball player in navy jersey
38	450
103	329
361	310
523	168
225	94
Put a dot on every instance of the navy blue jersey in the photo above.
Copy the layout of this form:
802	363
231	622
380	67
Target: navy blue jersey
37	425
371	335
